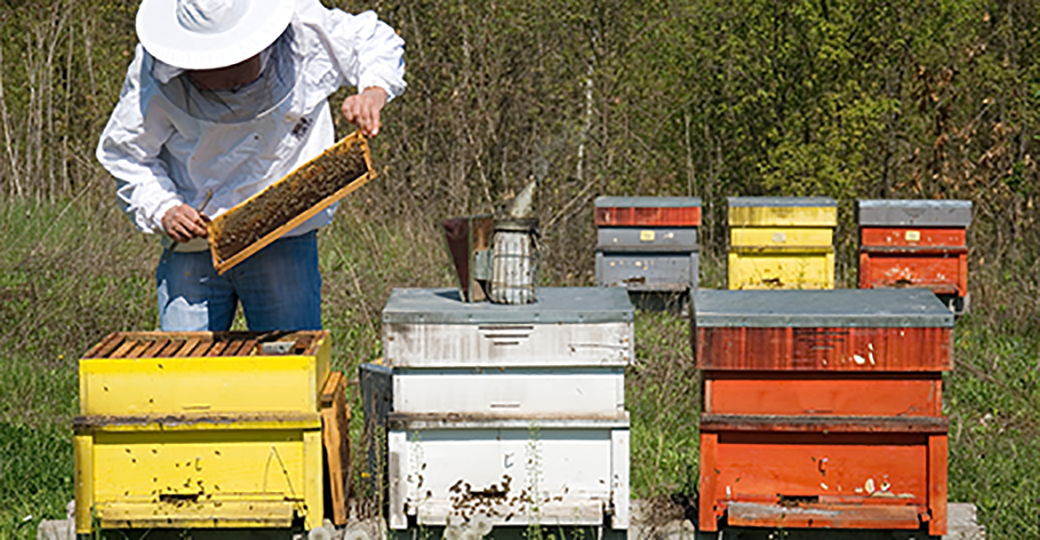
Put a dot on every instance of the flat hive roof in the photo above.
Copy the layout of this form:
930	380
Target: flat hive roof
914	212
795	202
648	202
877	308
555	305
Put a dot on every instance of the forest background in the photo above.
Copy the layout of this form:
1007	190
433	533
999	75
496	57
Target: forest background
712	98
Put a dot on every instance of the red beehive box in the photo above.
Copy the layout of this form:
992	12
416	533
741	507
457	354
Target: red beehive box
916	243
823	409
648	212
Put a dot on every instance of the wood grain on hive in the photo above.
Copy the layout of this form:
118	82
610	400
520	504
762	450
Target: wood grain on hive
289	202
916	243
648	244
204	430
781	242
179	372
823	409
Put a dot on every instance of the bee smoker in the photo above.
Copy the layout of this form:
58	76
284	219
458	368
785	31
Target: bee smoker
496	258
514	263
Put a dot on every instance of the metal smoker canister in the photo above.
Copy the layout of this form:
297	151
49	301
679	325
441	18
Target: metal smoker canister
514	267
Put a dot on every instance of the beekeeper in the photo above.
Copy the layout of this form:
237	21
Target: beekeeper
222	99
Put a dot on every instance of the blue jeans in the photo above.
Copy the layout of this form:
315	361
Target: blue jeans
279	288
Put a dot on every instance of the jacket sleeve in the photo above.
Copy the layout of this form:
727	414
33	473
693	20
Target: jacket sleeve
129	149
363	50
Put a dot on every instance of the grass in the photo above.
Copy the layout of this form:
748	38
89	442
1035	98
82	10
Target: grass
72	272
662	395
993	401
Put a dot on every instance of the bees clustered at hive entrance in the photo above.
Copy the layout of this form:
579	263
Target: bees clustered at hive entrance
288	198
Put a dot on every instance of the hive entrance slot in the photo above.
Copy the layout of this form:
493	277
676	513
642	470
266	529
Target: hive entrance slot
179	498
796	500
489	493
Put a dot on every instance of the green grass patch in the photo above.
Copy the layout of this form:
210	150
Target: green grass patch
993	401
662	395
36	476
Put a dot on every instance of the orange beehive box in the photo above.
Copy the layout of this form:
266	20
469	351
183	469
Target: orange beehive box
916	243
823	409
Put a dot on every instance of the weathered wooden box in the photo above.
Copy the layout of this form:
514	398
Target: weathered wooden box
198	471
202	430
566	326
513	411
916	243
823	408
565	352
551	469
142	373
648	244
781	242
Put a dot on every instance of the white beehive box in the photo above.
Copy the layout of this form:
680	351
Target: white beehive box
564	353
552	470
514	412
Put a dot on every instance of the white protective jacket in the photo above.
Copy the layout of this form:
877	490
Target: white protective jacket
168	143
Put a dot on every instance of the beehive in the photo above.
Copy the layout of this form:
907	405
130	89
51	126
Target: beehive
648	244
916	243
823	409
201	430
310	188
781	242
480	390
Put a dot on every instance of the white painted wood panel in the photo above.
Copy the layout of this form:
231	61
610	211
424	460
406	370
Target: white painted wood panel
553	476
503	345
511	390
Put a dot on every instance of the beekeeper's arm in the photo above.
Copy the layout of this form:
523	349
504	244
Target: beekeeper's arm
129	149
365	52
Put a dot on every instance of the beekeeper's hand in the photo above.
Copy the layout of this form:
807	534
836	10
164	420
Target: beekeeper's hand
182	223
363	109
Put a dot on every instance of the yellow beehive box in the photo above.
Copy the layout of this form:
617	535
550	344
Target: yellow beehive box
782	212
144	373
781	237
198	471
777	269
782	242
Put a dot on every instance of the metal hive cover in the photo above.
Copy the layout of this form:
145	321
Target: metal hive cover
838	308
648	202
910	212
567	305
796	202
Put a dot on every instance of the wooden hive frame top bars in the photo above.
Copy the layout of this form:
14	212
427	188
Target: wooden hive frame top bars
132	345
298	196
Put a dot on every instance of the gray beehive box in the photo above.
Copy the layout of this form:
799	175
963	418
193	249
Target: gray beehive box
648	244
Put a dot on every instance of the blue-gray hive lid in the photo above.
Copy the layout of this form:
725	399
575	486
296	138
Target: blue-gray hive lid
555	305
837	308
648	202
789	202
914	213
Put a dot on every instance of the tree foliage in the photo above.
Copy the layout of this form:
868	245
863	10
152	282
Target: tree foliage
896	98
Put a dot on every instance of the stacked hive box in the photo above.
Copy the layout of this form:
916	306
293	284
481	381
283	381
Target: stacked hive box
648	244
200	430
823	409
781	242
908	243
513	412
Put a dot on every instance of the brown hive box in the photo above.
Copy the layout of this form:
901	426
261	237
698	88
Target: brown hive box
282	206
